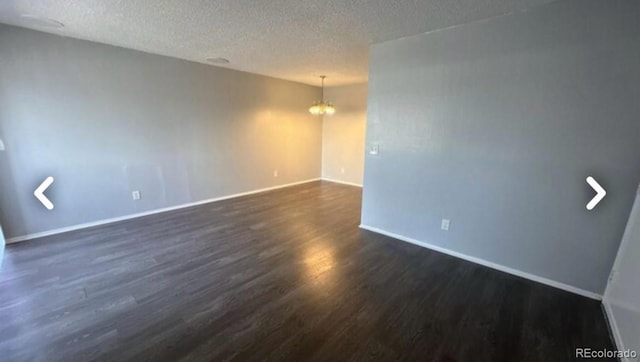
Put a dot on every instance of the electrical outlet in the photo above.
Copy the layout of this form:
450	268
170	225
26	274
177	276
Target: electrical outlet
136	195
342	170
275	173
374	149
1	145
445	224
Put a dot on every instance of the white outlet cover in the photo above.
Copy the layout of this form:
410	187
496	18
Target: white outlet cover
136	195
1	145
275	173
374	149
445	224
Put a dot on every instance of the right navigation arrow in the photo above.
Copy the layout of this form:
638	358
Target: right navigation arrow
600	193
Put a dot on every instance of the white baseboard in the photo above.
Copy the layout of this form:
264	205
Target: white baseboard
341	182
146	213
613	324
489	264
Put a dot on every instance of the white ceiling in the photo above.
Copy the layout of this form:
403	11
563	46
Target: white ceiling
290	39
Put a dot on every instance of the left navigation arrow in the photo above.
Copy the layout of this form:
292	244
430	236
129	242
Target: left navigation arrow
39	193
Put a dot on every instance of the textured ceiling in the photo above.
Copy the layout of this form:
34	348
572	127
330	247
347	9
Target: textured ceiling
290	39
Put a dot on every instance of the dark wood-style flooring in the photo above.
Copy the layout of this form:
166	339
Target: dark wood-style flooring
282	275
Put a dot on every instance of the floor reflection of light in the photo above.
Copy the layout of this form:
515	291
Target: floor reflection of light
319	261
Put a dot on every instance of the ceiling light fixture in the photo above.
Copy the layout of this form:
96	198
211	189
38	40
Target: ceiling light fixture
322	107
42	22
218	61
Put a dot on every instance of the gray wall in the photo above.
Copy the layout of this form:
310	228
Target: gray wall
343	134
105	121
496	124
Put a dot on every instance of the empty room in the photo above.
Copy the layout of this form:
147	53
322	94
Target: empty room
297	180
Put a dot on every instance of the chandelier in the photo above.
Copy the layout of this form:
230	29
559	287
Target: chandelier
322	107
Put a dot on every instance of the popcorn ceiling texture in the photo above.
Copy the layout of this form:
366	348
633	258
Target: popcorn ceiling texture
290	39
